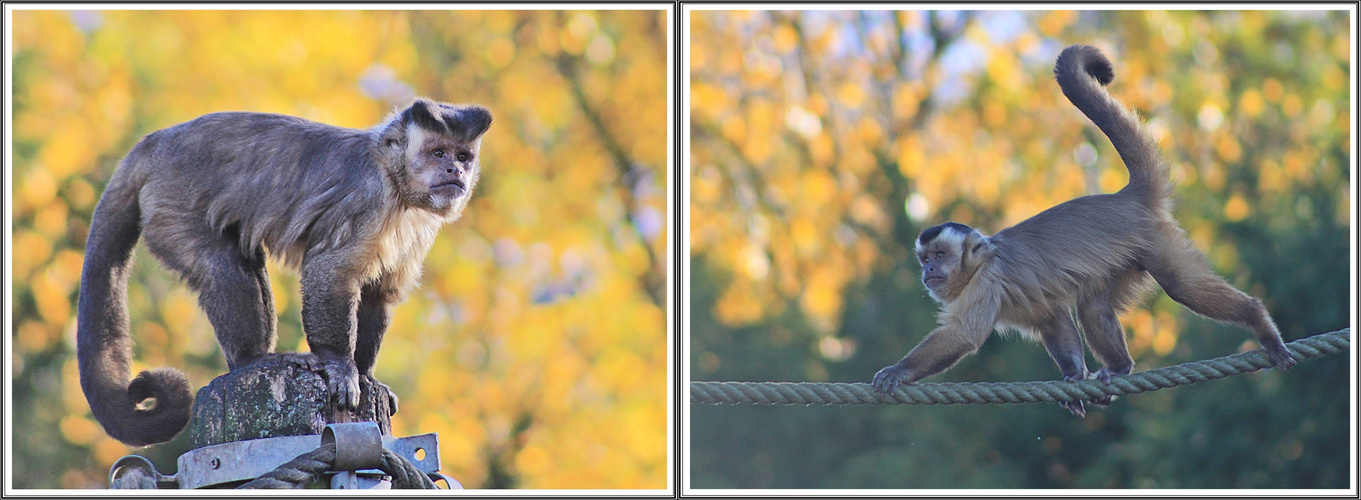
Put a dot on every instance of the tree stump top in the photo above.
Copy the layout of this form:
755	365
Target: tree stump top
278	395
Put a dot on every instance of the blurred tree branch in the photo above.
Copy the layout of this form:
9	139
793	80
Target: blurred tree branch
631	174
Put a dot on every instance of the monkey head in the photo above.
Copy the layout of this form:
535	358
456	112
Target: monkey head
950	255
430	154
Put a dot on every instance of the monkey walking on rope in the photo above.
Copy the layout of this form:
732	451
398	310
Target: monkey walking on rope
1096	255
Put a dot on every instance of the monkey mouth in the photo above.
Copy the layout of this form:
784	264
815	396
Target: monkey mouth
932	281
456	185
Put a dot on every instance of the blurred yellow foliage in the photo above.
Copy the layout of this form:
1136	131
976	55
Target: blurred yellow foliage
541	325
1236	208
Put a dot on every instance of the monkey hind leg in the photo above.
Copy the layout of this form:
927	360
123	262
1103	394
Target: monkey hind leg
233	287
1184	273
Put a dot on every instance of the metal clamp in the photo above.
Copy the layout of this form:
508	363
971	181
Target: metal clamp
359	445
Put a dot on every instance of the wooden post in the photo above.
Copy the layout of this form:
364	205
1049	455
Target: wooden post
279	395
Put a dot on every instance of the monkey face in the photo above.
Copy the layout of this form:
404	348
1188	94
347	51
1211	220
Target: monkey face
446	169
439	145
949	254
939	260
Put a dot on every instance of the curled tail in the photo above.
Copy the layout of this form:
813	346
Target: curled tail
1082	72
103	342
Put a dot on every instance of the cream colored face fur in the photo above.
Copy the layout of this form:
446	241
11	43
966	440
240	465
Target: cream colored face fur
437	164
939	258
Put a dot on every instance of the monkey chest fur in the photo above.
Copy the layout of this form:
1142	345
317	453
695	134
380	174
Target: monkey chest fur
399	246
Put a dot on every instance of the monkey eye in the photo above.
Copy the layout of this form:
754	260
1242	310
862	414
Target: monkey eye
438	153
464	157
940	255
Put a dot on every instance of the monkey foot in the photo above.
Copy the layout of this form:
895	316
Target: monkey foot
1074	407
1281	357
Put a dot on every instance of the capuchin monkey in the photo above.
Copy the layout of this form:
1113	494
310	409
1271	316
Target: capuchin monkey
1095	255
354	211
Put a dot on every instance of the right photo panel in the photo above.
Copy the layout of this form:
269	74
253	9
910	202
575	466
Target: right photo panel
971	251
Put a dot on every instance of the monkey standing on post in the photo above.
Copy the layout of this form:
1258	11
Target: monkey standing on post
355	211
1095	254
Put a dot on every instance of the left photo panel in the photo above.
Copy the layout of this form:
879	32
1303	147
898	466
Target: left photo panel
345	249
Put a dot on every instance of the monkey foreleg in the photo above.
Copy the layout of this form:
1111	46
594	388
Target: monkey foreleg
1064	343
940	350
374	313
329	305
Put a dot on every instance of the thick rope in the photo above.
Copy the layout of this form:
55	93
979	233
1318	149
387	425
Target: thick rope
404	474
297	472
808	393
308	467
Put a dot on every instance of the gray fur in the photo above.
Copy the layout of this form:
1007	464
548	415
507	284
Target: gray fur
354	210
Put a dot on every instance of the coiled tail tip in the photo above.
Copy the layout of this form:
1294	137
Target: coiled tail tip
1089	59
124	418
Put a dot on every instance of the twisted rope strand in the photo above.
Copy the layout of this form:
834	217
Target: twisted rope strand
309	466
296	473
810	393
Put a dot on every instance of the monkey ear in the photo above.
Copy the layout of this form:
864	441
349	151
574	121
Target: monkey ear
393	134
978	246
421	113
473	121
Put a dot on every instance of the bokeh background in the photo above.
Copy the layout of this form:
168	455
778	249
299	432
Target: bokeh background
536	346
824	141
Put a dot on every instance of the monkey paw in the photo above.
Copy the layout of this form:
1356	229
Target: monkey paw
1074	407
381	388
1281	358
1078	408
342	379
1104	375
887	380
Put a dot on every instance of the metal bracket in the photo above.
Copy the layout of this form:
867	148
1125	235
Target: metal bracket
359	449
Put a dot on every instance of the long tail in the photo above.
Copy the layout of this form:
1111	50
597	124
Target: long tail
1082	72
103	342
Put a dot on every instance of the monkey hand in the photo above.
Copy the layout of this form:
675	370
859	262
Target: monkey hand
381	388
887	380
342	379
